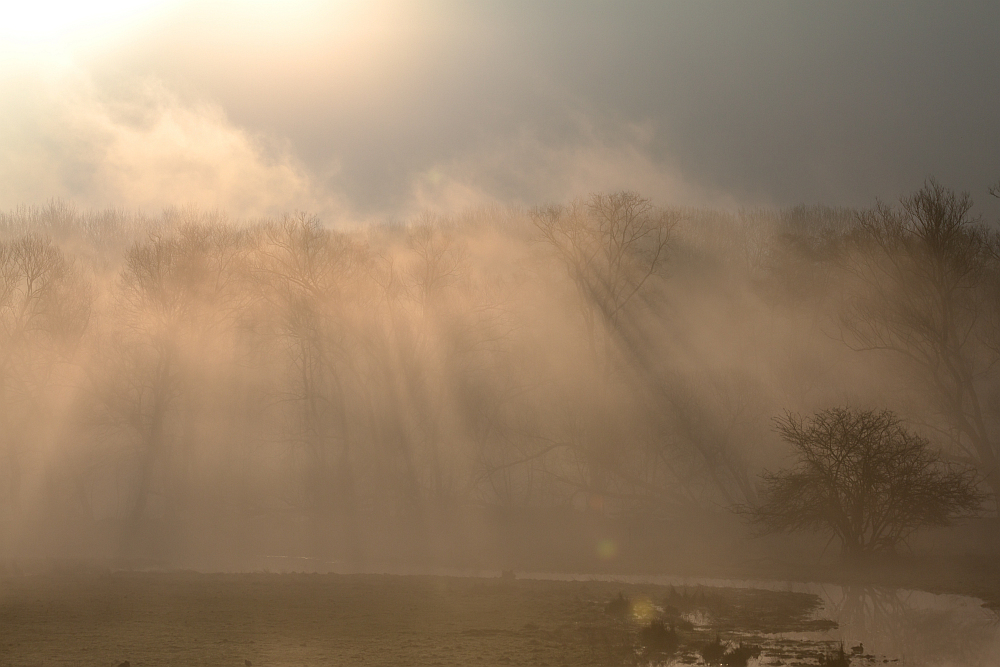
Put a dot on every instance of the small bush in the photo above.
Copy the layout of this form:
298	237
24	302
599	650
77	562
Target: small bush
618	607
713	651
658	638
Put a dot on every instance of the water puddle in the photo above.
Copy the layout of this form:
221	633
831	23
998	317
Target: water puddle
874	625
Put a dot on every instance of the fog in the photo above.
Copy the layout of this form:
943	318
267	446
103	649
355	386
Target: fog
682	318
562	387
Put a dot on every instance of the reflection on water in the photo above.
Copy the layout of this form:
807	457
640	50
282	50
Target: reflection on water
918	628
894	626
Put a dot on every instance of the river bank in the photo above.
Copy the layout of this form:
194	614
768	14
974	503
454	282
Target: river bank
973	575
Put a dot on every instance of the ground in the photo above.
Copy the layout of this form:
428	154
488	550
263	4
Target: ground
57	615
320	619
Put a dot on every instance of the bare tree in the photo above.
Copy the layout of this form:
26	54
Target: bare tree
863	477
44	310
924	271
610	247
310	279
443	330
175	294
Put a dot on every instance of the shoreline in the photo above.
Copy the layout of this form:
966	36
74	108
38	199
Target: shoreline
974	576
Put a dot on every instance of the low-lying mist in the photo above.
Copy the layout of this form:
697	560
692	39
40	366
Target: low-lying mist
571	386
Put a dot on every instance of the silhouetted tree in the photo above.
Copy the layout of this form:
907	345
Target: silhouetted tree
45	307
610	246
312	282
175	295
927	274
862	476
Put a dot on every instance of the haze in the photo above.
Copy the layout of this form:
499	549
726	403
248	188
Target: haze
706	289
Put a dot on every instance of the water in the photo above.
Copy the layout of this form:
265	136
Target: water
906	628
893	626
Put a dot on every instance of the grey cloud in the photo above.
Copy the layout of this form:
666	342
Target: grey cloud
776	103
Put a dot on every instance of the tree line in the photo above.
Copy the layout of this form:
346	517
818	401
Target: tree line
165	376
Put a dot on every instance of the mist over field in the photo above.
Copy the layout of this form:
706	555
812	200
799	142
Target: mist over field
559	387
521	333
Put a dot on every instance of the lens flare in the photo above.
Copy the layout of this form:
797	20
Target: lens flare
607	549
643	610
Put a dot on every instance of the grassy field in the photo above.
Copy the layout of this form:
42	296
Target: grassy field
320	619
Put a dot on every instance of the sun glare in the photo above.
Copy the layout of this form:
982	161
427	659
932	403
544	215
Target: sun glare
46	25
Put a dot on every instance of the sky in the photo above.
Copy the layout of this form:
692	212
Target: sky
383	109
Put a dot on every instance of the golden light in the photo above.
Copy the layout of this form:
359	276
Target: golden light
643	610
607	549
44	25
61	32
